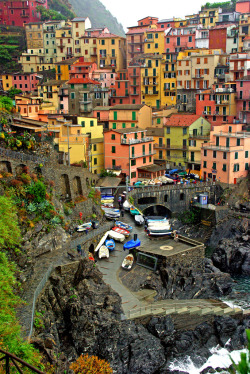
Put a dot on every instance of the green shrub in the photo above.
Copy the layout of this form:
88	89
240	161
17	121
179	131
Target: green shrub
9	231
38	190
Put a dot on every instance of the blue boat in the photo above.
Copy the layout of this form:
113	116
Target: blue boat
110	244
123	225
132	244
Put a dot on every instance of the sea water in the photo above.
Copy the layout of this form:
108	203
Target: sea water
220	358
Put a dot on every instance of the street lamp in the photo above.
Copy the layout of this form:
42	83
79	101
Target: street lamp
67	124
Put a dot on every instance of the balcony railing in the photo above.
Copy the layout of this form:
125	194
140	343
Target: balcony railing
114	167
215	147
160	146
150	75
199	136
137	141
181	147
241	135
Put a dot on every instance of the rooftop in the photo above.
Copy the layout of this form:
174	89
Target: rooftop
69	61
109	35
127	107
53	82
129	130
108	182
153	168
152	131
79	19
102	108
82	81
181	120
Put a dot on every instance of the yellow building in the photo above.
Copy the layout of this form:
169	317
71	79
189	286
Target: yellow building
159	144
49	92
209	17
178	129
154	41
36	62
34	35
168	83
63	68
179	22
64	43
159	116
111	51
151	81
122	116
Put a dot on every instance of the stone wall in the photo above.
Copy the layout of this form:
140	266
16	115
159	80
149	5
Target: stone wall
192	259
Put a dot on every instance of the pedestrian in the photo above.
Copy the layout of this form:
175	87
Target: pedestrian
122	212
79	249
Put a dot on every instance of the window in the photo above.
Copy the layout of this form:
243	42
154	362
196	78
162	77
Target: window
113	162
83	123
158	121
190	39
72	86
95	161
236	167
168	130
133	116
124	125
156	45
114	126
246	154
246	166
224	167
224	155
103	42
113	149
167	40
214	154
85	85
184	131
72	95
204	164
198	61
115	116
236	156
133	174
133	162
238	142
113	136
132	125
144	160
205	153
112	41
91	123
214	166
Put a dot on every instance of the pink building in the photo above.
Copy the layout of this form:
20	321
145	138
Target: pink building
105	77
26	82
102	115
128	150
28	106
63	96
179	39
243	99
18	13
81	69
226	157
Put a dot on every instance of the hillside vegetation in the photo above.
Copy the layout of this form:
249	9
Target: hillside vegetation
98	15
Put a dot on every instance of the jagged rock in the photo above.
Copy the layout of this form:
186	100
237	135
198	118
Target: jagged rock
38	227
54	240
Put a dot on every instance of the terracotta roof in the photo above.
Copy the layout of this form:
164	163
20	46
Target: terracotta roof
181	120
108	182
101	108
139	30
128	130
83	81
109	35
155	131
69	61
150	17
155	30
78	19
79	63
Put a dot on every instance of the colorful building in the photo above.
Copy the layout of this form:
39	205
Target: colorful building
28	106
154	40
127	149
178	127
242	6
49	91
111	51
63	68
151	81
25	82
120	91
244	30
226	156
34	35
224	37
209	17
239	64
243	99
19	13
178	39
124	116
160	149
134	77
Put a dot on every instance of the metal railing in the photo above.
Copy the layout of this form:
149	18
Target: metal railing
21	156
10	358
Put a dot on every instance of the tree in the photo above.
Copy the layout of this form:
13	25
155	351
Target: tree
47	14
6	103
9	230
13	91
243	367
90	365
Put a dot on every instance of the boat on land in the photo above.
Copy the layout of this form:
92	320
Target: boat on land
160	233
116	236
134	211
124	225
112	215
139	220
128	261
84	227
107	206
110	244
104	237
126	205
155	218
107	197
121	231
103	252
111	210
107	201
132	244
159	224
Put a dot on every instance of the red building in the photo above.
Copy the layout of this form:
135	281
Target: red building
238	65
120	92
18	13
128	150
243	99
218	37
165	23
134	77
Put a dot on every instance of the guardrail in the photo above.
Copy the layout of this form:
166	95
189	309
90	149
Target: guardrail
21	156
9	357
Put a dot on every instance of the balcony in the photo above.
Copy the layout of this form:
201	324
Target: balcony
199	136
145	154
159	146
152	93
60	44
24	15
215	147
114	167
198	76
85	101
149	40
137	141
241	135
134	94
134	84
134	75
150	75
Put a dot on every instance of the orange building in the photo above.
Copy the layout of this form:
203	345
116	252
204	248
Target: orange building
128	150
120	91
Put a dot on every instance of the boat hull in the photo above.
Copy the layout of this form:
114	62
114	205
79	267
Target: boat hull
128	262
132	244
103	252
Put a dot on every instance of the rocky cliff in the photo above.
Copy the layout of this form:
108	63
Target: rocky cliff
79	313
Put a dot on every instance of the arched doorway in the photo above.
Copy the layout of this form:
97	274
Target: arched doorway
65	186
5	166
77	186
157	210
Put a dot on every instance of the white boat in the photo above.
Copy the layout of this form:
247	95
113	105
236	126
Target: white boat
101	241
112	216
128	261
139	220
159	224
103	252
126	205
116	236
84	226
160	233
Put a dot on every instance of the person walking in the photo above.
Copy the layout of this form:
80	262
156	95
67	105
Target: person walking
79	249
122	212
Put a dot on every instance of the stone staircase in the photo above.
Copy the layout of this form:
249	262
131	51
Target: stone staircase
181	308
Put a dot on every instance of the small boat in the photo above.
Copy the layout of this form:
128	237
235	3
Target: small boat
103	252
139	220
160	233
116	236
134	211
126	205
123	225
108	201
107	197
132	244
110	244
121	231
111	210
107	206
104	237
159	224
84	226
128	261
155	218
